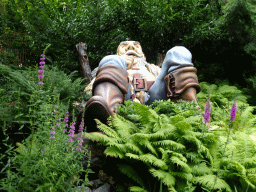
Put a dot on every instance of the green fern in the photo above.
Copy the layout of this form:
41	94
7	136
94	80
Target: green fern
162	143
177	144
167	178
130	172
211	182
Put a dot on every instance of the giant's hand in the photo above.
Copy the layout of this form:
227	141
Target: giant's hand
130	61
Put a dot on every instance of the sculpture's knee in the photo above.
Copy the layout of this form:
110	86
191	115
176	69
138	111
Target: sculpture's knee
114	60
176	58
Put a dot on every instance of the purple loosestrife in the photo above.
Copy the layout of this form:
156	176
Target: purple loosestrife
233	111
72	131
207	112
41	72
52	133
80	134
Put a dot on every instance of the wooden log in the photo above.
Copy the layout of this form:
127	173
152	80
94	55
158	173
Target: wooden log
84	61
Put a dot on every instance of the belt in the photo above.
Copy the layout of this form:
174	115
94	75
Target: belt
141	84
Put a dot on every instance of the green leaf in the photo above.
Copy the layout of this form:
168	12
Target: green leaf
136	188
212	182
165	177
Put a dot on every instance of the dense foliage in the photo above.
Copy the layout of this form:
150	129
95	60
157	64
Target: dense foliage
32	108
220	33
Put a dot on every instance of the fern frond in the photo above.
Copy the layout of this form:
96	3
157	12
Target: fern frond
175	119
143	112
247	118
164	133
193	119
234	167
212	182
164	176
106	129
164	119
169	144
251	171
182	127
237	169
182	164
136	188
119	146
165	156
149	158
194	157
252	178
183	175
249	162
148	144
179	155
132	156
200	147
122	126
130	172
113	151
133	117
133	148
95	136
201	169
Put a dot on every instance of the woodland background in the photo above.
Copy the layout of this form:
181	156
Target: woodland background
221	35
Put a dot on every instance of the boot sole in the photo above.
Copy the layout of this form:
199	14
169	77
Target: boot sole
96	108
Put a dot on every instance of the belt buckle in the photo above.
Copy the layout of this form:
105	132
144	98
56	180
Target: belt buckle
136	84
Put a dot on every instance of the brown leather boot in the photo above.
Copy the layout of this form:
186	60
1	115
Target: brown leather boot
109	89
183	84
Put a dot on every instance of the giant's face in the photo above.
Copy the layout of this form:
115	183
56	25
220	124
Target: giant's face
131	51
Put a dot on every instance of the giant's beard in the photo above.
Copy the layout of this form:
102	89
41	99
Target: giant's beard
141	61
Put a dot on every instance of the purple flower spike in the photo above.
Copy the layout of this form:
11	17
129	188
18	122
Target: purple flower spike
52	137
42	63
58	124
40	83
40	76
78	149
233	111
64	129
52	132
40	71
41	67
207	112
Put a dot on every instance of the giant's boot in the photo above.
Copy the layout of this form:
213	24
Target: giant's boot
109	89
183	84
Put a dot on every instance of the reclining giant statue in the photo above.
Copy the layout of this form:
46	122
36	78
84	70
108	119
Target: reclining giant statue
127	75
